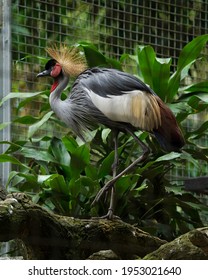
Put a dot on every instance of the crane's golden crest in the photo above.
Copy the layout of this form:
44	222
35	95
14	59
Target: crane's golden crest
72	62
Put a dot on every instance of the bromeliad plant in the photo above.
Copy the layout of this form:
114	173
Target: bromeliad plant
65	174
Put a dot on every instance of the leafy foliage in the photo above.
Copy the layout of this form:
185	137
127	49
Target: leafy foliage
65	174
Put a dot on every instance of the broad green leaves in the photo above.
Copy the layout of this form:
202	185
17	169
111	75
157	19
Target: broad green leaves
96	58
23	95
156	71
34	127
146	59
187	57
57	173
8	158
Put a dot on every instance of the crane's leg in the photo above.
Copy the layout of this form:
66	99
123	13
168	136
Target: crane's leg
110	215
142	158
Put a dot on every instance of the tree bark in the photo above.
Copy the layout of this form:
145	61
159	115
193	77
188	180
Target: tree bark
190	246
50	236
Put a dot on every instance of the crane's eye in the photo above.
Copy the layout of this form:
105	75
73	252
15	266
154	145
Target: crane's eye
56	70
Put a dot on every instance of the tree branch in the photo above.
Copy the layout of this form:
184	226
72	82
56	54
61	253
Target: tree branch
50	236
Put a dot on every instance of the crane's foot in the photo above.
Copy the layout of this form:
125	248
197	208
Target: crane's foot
104	189
109	216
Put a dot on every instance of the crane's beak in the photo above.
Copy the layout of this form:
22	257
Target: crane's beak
44	73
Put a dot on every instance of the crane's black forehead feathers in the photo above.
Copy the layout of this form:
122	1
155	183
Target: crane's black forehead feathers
104	81
50	64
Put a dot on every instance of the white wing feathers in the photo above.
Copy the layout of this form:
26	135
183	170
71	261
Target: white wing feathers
136	107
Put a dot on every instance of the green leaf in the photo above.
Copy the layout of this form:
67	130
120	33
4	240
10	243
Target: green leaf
186	69
61	155
26	120
70	143
191	51
60	152
106	166
199	154
155	71
13	146
11	159
12	95
3	125
199	207
41	139
44	95
146	58
93	56
57	183
188	157
36	154
33	128
160	76
167	157
187	56
30	178
91	171
87	186
194	88
39	58
12	175
88	136
42	178
105	132
198	103
126	183
113	63
80	158
199	132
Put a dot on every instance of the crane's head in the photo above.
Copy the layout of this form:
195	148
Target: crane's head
64	61
52	68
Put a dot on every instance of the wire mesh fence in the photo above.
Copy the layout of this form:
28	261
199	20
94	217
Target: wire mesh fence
115	27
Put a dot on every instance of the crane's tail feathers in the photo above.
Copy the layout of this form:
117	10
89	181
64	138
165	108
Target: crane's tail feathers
177	141
169	134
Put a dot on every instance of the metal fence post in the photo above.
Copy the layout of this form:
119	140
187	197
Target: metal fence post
5	81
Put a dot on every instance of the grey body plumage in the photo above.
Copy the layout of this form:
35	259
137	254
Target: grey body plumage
78	110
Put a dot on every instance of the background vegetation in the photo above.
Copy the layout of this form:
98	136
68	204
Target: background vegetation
64	174
146	38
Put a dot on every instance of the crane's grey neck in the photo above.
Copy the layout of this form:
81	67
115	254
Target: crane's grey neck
55	95
58	86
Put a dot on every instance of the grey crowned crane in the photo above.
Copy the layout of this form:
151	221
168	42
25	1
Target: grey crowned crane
110	97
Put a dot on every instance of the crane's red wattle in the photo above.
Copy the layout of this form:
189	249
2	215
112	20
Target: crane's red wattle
54	85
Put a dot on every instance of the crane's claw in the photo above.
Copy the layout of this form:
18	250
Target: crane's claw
108	216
